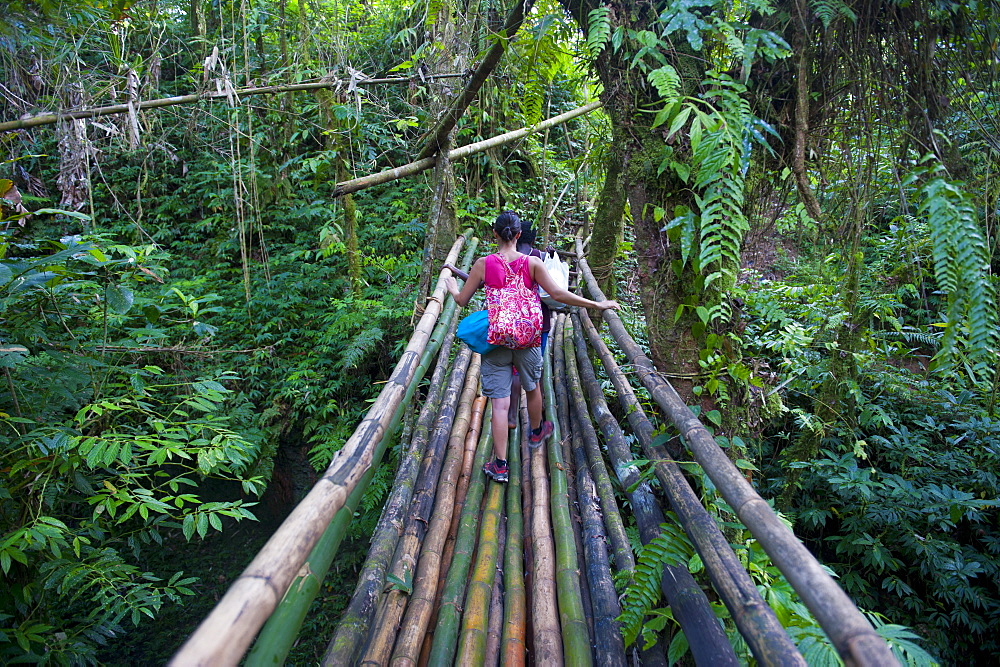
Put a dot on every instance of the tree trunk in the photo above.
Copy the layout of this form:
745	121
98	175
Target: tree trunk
665	286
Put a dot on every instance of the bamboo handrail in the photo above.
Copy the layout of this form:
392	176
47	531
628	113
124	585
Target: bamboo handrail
852	635
224	636
76	114
754	618
278	635
353	185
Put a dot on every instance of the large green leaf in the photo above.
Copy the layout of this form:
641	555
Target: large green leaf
120	298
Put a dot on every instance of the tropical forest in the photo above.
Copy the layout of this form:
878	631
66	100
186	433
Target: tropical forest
237	424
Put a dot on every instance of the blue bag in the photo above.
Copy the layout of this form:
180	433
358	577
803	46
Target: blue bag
472	331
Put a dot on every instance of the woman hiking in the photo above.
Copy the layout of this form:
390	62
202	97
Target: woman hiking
509	278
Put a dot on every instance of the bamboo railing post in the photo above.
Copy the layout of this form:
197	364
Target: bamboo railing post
449	615
852	635
224	636
425	582
754	618
407	551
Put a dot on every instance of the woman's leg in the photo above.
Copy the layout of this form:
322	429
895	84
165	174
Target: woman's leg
515	395
534	406
500	408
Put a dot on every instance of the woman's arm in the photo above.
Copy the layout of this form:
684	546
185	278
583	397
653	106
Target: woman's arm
541	276
473	282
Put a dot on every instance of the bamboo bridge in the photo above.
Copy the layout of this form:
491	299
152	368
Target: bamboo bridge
465	571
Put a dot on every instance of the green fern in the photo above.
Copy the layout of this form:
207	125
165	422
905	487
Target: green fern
961	268
671	547
829	11
666	81
721	157
599	29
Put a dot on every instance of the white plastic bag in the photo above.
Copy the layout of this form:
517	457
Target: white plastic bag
559	272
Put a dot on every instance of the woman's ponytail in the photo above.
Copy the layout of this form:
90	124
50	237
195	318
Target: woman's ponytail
507	226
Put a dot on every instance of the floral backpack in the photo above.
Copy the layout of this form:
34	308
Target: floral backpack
515	313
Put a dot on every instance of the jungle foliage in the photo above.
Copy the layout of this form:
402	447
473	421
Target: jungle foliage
188	297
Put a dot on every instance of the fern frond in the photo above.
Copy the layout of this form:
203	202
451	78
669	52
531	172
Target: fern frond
828	11
598	29
666	81
671	547
362	344
961	268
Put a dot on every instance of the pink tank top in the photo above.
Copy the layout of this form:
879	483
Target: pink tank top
494	273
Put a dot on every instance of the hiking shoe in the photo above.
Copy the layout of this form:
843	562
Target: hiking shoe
496	471
545	431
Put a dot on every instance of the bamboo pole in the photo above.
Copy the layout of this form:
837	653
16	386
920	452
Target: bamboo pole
471	442
224	636
615	527
279	633
425	163
575	636
563	409
446	634
512	646
352	631
50	118
425	583
475	619
547	635
754	618
407	551
495	627
527	512
852	635
512	23
609	647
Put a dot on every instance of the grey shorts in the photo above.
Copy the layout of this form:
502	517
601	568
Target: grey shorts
497	373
